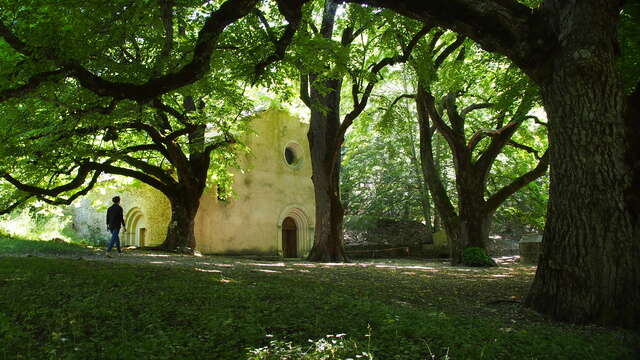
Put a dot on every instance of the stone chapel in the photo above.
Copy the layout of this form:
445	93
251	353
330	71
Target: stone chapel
270	213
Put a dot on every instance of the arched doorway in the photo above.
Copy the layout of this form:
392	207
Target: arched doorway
136	229
293	222
289	238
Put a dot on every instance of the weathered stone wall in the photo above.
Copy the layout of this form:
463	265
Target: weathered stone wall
89	213
267	191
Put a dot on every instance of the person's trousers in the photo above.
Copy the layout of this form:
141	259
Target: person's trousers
115	240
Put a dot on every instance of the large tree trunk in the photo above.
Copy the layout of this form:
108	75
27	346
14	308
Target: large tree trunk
327	246
328	236
474	228
324	102
589	269
181	234
469	229
632	129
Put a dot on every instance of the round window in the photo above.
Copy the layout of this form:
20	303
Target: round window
292	154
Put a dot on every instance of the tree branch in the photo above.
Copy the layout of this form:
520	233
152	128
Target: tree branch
403	96
526	148
70	199
456	120
360	104
13	206
83	170
447	51
292	10
32	84
485	161
499	197
453	139
304	90
441	199
229	12
482	133
116	170
503	26
166	12
474	107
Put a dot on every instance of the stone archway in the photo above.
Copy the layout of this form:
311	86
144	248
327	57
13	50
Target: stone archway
136	233
293	230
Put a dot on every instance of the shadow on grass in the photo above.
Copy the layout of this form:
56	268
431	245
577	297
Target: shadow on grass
229	308
13	246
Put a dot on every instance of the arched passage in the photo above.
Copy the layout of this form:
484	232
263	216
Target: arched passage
136	228
294	235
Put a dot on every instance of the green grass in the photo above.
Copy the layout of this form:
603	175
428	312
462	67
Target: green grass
12	246
220	308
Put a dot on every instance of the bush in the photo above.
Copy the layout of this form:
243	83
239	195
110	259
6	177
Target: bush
475	256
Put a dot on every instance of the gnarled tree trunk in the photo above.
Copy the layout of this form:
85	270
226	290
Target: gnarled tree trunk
589	269
180	233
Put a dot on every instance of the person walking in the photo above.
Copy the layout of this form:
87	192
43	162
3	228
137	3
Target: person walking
115	218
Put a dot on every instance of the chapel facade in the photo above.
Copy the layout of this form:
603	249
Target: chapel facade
271	212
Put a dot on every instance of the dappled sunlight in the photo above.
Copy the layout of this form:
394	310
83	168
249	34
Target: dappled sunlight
208	270
267	271
154	255
329	265
411	267
215	264
305	265
280	264
169	262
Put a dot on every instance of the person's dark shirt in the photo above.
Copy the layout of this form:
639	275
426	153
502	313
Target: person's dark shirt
114	217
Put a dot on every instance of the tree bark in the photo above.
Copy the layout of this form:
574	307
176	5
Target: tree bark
323	145
430	173
589	269
328	236
181	232
632	129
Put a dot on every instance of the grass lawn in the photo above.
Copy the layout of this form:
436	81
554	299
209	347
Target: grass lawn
79	305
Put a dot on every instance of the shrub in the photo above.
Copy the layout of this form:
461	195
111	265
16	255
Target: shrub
475	256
